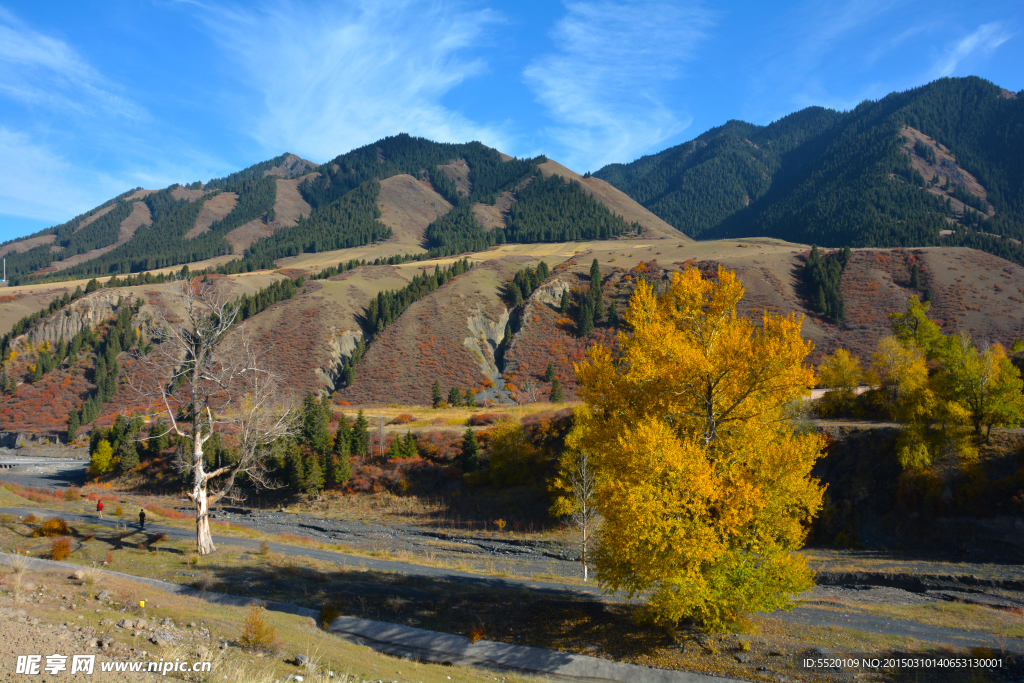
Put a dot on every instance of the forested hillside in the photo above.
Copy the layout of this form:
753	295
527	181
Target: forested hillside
844	178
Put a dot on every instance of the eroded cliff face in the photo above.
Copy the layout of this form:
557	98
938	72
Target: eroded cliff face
92	310
342	343
484	343
89	311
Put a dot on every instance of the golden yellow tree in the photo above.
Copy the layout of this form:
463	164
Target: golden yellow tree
703	486
841	374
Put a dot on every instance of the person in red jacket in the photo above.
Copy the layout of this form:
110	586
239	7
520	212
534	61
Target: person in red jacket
99	508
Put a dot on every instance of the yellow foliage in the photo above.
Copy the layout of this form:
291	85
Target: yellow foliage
514	459
944	412
903	374
703	486
841	374
102	460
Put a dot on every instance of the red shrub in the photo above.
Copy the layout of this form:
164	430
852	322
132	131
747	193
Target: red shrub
481	419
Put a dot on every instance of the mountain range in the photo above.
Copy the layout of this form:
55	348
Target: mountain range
407	261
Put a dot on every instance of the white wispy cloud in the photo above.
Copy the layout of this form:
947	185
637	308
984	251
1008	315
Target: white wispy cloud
333	77
41	71
38	182
983	41
605	84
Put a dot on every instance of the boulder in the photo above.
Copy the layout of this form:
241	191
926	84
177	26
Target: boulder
103	595
126	623
79	575
301	660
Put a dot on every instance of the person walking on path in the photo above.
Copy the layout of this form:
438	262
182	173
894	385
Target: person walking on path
99	508
142	519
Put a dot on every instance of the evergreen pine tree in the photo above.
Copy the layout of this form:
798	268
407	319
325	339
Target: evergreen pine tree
517	295
129	456
342	469
915	277
435	394
556	391
454	397
613	314
361	435
295	471
820	304
470	398
343	438
37	376
470	458
563	308
508	333
316	419
409	449
549	374
395	449
586	319
314	474
349	375
73	426
598	306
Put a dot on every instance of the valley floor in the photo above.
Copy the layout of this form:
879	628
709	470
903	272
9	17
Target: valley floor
527	591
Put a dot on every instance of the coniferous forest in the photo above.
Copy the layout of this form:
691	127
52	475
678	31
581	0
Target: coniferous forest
816	176
837	178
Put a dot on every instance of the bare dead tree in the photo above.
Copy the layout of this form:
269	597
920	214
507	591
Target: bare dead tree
208	380
380	434
584	516
527	392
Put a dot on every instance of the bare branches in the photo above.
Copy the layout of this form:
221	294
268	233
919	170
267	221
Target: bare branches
212	379
582	478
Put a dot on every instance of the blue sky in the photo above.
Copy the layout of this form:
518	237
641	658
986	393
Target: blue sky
100	97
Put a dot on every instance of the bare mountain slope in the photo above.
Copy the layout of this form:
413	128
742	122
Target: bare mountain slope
138	217
213	210
408	206
617	201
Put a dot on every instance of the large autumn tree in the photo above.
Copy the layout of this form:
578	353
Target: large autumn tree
704	486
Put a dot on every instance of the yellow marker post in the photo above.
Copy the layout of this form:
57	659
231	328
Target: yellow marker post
142	603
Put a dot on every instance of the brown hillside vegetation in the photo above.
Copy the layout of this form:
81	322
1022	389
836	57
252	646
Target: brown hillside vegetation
408	206
89	219
289	205
492	217
306	336
138	217
25	245
292	165
438	338
214	209
617	201
244	235
191	195
457	171
945	167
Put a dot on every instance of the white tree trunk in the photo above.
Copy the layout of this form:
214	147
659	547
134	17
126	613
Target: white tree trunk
204	539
